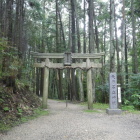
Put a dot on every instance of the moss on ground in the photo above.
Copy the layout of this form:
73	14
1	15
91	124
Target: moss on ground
6	125
100	107
92	111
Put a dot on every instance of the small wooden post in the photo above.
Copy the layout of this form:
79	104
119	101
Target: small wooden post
45	86
119	95
89	85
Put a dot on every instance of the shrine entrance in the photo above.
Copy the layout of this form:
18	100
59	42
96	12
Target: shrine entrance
90	61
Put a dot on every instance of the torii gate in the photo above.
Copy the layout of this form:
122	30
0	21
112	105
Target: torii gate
67	63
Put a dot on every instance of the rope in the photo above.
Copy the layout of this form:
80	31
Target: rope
71	68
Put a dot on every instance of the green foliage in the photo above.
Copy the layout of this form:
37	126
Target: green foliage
3	44
103	88
130	109
132	93
1	100
102	93
14	67
23	83
40	112
6	108
34	4
20	110
92	111
4	127
137	10
98	106
9	61
37	112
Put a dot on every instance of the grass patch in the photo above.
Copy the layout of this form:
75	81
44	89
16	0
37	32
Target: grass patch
100	106
4	127
97	105
7	126
58	100
92	111
37	112
134	111
130	109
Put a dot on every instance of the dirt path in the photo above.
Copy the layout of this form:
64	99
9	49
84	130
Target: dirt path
72	123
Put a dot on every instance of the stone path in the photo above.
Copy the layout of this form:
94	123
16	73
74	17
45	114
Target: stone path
72	123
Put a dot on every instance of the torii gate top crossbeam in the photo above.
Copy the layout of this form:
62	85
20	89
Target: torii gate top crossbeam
67	60
74	55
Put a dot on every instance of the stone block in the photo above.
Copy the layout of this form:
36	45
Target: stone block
113	111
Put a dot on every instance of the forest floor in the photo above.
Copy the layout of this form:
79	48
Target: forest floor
74	123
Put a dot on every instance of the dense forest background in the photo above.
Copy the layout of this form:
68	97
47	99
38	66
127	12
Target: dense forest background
77	26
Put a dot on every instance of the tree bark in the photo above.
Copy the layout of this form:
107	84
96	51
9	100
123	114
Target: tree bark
73	26
81	93
57	41
9	20
73	49
1	17
37	82
43	29
84	29
91	42
124	49
112	45
117	51
134	50
18	28
62	29
91	32
60	85
96	30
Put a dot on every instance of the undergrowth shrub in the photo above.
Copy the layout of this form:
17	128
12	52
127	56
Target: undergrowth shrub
102	93
132	92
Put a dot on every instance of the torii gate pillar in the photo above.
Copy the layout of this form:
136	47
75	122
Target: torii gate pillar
89	85
45	86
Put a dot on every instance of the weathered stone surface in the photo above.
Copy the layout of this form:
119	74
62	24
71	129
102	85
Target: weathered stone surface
113	111
113	102
113	96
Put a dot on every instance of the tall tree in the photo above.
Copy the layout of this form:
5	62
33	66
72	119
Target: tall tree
9	19
91	32
112	45
96	29
134	45
124	56
1	16
62	28
91	41
84	29
117	47
19	28
81	92
73	48
60	94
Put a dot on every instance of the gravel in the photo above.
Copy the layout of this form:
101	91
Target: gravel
72	123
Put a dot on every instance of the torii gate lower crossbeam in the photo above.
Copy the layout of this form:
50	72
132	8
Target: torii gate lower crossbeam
88	65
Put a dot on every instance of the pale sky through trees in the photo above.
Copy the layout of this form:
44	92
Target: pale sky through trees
104	0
